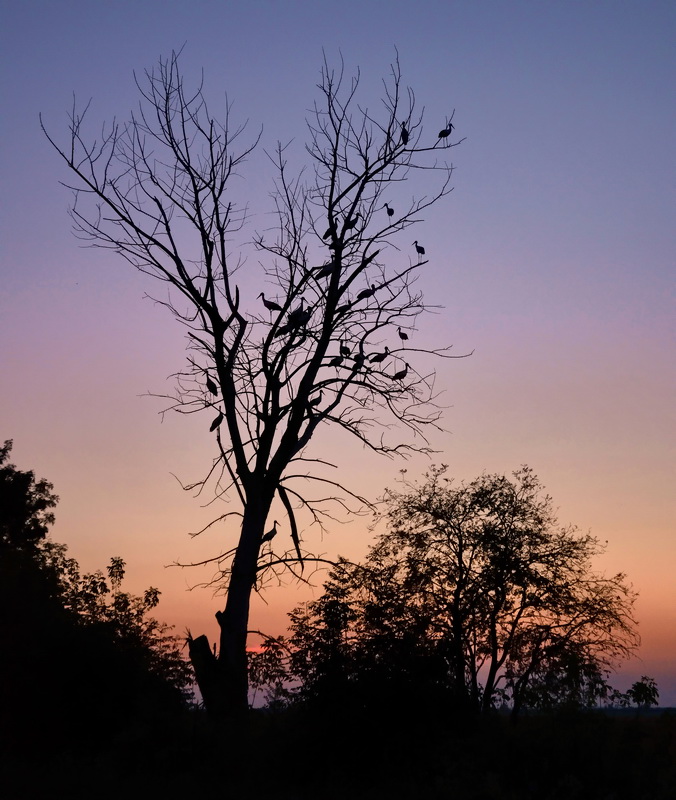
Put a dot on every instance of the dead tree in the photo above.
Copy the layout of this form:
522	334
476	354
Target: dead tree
154	191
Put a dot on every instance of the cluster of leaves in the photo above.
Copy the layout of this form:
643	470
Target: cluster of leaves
473	597
643	694
77	647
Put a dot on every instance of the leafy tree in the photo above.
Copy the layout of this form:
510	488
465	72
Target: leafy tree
474	593
328	351
76	647
25	504
644	693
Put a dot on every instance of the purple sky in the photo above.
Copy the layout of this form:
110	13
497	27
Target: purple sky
553	259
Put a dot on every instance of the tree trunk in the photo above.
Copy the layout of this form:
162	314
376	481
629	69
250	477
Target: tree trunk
206	668
224	680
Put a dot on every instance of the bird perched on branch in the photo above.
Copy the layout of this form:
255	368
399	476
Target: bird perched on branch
367	293
420	250
216	423
326	270
376	358
446	132
211	386
402	335
336	361
404	135
344	350
358	361
390	211
351	223
399	376
270	304
300	315
271	533
283	329
298	311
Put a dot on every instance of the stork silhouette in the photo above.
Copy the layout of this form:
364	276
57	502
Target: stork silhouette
399	376
367	293
270	304
446	132
351	223
271	533
376	358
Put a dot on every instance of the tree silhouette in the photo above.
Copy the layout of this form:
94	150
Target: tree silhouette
473	592
644	693
26	506
155	189
75	647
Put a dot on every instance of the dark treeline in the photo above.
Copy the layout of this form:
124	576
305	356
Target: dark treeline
473	599
402	679
82	660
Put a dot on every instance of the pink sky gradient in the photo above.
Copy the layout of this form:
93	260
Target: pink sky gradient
553	260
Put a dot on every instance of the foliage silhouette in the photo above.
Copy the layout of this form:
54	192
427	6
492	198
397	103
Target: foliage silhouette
82	659
473	597
644	693
156	191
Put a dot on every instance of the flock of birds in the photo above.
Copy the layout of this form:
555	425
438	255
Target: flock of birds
300	316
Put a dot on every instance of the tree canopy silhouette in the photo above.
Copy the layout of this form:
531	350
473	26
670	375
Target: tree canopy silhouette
474	596
76	647
341	282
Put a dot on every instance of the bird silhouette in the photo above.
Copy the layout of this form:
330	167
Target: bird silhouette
270	304
326	270
376	358
216	422
358	361
285	329
446	132
404	135
298	311
344	350
420	250
211	386
390	211
351	223
402	335
300	315
271	533
399	376
336	361
367	293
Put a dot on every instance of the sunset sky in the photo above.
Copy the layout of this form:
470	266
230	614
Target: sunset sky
553	259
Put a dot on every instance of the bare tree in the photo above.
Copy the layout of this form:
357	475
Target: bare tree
329	349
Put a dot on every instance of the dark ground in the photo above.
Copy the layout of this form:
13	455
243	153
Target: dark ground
295	756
